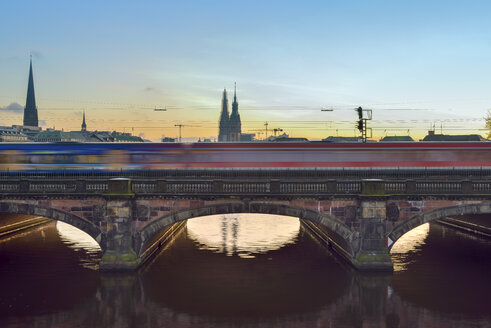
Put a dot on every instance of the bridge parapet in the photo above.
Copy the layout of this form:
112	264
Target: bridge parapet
252	186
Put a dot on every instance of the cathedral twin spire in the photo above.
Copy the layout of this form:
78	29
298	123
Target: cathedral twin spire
229	126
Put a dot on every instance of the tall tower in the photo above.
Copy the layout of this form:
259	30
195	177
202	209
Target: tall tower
235	125
223	124
84	126
30	111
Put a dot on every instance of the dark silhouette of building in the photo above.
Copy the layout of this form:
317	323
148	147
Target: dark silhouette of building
234	122
432	136
223	126
30	111
396	139
229	126
342	139
84	126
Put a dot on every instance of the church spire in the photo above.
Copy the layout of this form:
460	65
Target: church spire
223	129
84	126
235	126
30	111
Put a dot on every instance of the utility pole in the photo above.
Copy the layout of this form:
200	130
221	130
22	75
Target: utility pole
266	125
325	109
180	126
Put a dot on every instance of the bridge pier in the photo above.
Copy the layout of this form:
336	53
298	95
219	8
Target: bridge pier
119	254
372	253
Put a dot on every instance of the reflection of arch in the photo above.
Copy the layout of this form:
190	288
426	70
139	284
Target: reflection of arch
56	214
439	213
342	231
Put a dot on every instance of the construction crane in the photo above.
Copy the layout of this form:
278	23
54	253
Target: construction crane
179	126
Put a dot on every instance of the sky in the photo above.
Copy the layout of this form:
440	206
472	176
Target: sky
415	64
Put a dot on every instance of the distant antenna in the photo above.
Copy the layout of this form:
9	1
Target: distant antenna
277	130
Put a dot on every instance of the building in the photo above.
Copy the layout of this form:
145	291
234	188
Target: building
60	136
247	137
342	139
125	137
30	111
168	139
445	137
101	136
396	139
229	127
8	134
29	131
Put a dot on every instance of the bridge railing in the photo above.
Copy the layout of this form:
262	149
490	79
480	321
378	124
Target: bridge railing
313	187
260	173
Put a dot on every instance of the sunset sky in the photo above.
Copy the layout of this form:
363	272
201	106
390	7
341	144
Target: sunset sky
118	60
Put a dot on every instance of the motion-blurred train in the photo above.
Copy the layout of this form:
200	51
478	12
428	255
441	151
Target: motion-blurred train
132	156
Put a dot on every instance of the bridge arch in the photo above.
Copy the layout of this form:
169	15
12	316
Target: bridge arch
342	232
436	214
58	215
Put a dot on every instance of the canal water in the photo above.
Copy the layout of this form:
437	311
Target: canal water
244	271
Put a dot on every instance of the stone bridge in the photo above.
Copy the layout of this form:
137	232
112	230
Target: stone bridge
129	218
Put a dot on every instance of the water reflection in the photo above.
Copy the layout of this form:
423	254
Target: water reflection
80	242
404	248
40	276
287	279
244	235
444	283
448	273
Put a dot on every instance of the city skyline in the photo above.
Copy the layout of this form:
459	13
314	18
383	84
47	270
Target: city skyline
292	62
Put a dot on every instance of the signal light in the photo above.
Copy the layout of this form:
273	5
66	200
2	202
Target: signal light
359	125
359	110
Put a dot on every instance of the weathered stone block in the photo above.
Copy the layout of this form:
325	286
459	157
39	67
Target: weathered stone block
60	216
373	244
98	212
373	210
118	209
40	211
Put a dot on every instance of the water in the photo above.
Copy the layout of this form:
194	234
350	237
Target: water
244	271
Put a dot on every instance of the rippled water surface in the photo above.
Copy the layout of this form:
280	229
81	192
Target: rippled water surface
244	271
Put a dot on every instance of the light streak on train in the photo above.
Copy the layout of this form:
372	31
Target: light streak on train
112	156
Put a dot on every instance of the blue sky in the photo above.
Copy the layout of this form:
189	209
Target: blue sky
120	59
